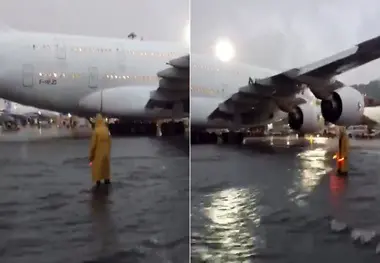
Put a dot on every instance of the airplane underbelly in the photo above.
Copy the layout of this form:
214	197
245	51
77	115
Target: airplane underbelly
201	108
127	102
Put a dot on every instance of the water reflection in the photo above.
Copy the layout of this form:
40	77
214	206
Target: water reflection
233	221
338	186
313	165
104	229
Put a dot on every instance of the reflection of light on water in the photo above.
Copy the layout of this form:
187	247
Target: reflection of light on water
313	168
233	215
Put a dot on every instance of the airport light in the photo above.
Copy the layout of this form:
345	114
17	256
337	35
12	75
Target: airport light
224	50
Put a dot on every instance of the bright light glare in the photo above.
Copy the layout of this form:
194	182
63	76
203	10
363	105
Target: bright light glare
224	50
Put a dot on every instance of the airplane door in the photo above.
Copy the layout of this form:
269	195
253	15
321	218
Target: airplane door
27	75
60	49
93	77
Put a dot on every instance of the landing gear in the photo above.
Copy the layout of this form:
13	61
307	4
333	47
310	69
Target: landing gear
130	128
233	137
205	137
172	128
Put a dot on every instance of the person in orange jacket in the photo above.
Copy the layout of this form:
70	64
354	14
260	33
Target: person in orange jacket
100	152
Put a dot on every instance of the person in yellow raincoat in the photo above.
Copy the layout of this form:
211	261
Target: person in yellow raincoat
100	152
343	150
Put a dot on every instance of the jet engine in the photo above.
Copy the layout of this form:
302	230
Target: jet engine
304	118
344	107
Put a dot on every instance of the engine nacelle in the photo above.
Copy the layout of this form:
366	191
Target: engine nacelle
305	118
344	107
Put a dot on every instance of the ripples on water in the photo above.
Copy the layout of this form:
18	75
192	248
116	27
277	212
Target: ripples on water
277	204
49	214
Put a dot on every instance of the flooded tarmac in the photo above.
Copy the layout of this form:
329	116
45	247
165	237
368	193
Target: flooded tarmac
280	201
48	212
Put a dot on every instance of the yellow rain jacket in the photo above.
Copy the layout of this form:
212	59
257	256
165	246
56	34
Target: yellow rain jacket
100	151
342	156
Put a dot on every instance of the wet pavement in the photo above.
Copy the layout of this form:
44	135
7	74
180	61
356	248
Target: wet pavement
279	201
48	212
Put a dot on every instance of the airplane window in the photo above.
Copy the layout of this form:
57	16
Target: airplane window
123	77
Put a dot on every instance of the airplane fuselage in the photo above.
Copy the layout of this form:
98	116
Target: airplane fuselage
54	72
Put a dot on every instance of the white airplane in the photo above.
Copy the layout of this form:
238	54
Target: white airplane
18	109
234	95
85	75
373	114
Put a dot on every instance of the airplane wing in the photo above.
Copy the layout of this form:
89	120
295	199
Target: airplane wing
173	89
318	76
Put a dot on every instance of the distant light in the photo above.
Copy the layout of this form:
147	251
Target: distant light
39	112
69	115
224	50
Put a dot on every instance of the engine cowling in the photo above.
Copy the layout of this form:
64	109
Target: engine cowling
304	118
344	107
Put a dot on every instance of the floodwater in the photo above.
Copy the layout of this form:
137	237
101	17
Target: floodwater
281	202
48	212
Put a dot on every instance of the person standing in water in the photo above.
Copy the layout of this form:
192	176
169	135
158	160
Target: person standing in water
100	152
